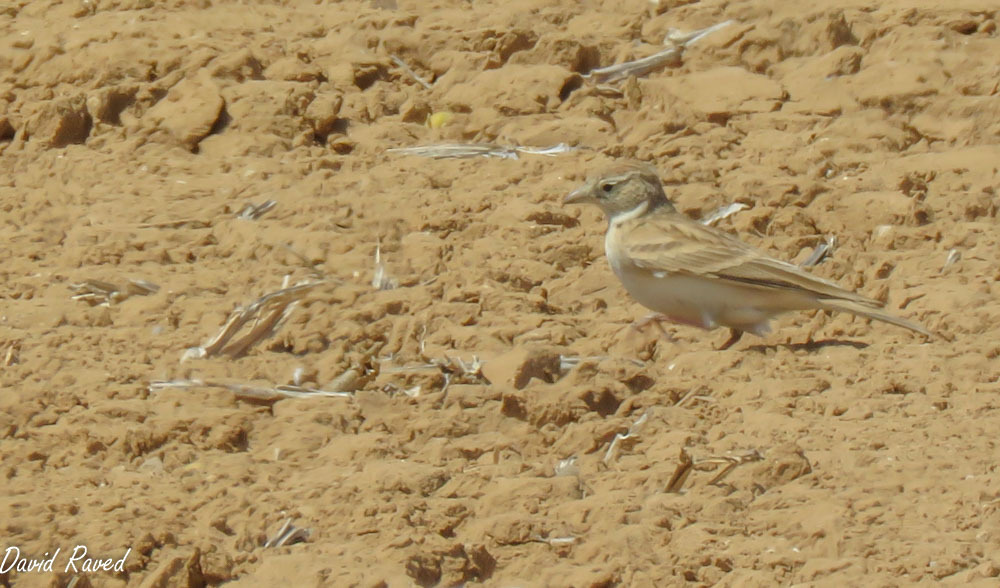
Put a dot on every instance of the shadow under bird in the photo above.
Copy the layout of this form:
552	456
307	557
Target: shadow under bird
697	275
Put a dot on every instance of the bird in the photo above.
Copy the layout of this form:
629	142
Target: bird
693	274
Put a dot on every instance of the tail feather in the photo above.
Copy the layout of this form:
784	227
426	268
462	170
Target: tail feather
859	309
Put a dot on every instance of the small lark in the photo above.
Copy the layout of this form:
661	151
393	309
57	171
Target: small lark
697	275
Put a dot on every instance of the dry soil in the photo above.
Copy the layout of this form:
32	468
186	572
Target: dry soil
833	452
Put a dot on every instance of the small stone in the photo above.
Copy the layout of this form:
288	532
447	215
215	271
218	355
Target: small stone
189	111
6	129
517	367
414	111
323	111
153	465
270	108
106	105
239	66
511	90
60	122
842	61
290	69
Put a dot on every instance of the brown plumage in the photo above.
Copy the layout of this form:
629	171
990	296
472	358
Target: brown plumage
698	275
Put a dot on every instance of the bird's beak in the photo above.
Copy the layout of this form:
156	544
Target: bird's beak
581	194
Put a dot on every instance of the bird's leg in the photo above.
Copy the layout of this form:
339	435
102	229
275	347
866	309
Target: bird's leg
657	319
734	336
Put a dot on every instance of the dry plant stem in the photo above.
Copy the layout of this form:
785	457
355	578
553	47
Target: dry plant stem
453	369
409	71
274	306
633	431
731	462
820	252
255	211
260	330
381	279
640	67
96	292
953	256
550	151
457	150
567	467
554	541
686	397
906	301
681	38
686	464
142	287
11	356
681	473
255	393
288	534
467	150
99	292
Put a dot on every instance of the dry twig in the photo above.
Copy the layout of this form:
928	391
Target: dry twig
266	314
467	150
730	462
409	71
676	42
381	279
99	292
256	393
681	472
288	534
554	541
686	464
633	431
820	252
953	256
567	467
255	211
451	368
13	354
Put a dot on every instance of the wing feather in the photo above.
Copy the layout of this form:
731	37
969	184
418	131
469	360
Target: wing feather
672	243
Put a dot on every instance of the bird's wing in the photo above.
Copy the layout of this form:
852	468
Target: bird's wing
673	243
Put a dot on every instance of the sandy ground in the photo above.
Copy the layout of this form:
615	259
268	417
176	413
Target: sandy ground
134	133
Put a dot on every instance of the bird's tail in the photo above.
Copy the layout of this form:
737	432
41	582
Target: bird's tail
872	312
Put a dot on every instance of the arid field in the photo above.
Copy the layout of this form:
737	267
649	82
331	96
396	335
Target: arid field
227	306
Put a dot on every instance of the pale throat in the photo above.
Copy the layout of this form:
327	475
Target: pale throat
612	247
627	215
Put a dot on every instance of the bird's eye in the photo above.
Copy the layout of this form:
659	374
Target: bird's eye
607	187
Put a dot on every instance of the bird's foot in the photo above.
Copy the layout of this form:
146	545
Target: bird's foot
656	319
734	336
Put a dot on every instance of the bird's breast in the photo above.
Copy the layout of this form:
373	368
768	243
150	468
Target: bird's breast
614	249
615	252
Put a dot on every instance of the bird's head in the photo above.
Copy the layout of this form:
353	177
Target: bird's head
622	188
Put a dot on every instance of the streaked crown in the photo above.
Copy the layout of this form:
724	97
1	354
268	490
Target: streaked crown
622	188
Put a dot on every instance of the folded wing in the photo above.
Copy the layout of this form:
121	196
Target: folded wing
676	245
